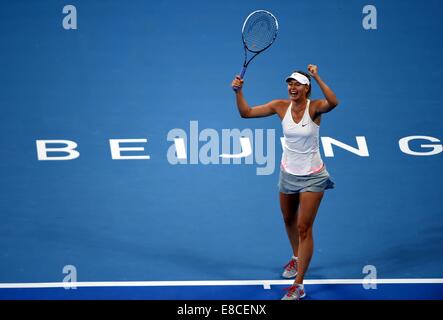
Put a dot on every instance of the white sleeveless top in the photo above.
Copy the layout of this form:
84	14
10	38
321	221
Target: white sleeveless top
301	152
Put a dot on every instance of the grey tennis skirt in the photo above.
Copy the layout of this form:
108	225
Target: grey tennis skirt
317	182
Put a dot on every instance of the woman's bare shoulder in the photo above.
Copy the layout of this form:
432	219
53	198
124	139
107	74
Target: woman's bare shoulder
281	106
281	103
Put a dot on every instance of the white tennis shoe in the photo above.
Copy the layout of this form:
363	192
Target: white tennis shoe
291	268
295	292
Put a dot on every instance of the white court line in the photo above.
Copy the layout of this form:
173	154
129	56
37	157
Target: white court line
265	283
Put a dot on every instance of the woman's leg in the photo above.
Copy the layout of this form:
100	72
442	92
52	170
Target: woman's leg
289	207
309	204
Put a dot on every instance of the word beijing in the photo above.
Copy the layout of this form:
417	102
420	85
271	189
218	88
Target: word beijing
232	146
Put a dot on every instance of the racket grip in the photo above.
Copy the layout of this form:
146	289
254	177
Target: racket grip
242	74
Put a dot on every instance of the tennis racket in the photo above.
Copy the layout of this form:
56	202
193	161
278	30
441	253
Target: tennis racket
258	33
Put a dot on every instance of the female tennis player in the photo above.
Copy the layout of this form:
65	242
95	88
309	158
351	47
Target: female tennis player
303	175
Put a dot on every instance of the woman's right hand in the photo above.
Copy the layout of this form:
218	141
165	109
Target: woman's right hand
237	84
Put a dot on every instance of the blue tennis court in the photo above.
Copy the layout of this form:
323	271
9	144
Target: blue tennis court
117	118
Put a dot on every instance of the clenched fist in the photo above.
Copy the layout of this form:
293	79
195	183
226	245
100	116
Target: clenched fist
313	70
237	84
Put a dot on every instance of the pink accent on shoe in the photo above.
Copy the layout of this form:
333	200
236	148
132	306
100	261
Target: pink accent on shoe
295	292
291	265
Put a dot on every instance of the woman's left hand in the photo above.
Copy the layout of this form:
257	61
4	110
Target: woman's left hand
313	70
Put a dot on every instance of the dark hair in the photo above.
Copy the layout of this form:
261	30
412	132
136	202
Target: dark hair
307	75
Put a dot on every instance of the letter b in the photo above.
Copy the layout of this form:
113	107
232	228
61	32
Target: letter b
43	150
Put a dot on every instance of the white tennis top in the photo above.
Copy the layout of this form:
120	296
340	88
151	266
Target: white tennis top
301	152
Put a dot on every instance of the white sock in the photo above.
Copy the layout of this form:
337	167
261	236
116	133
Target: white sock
294	257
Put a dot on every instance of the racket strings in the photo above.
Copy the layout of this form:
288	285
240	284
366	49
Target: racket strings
259	31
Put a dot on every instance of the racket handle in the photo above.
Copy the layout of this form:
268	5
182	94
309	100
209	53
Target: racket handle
242	74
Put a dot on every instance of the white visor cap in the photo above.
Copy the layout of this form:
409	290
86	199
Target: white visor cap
301	78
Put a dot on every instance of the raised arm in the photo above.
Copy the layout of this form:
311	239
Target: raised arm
330	101
263	110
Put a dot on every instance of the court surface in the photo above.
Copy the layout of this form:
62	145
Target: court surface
152	76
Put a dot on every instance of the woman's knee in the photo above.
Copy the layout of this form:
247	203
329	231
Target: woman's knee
304	230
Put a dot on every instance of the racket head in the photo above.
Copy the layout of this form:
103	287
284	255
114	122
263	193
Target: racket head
259	31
